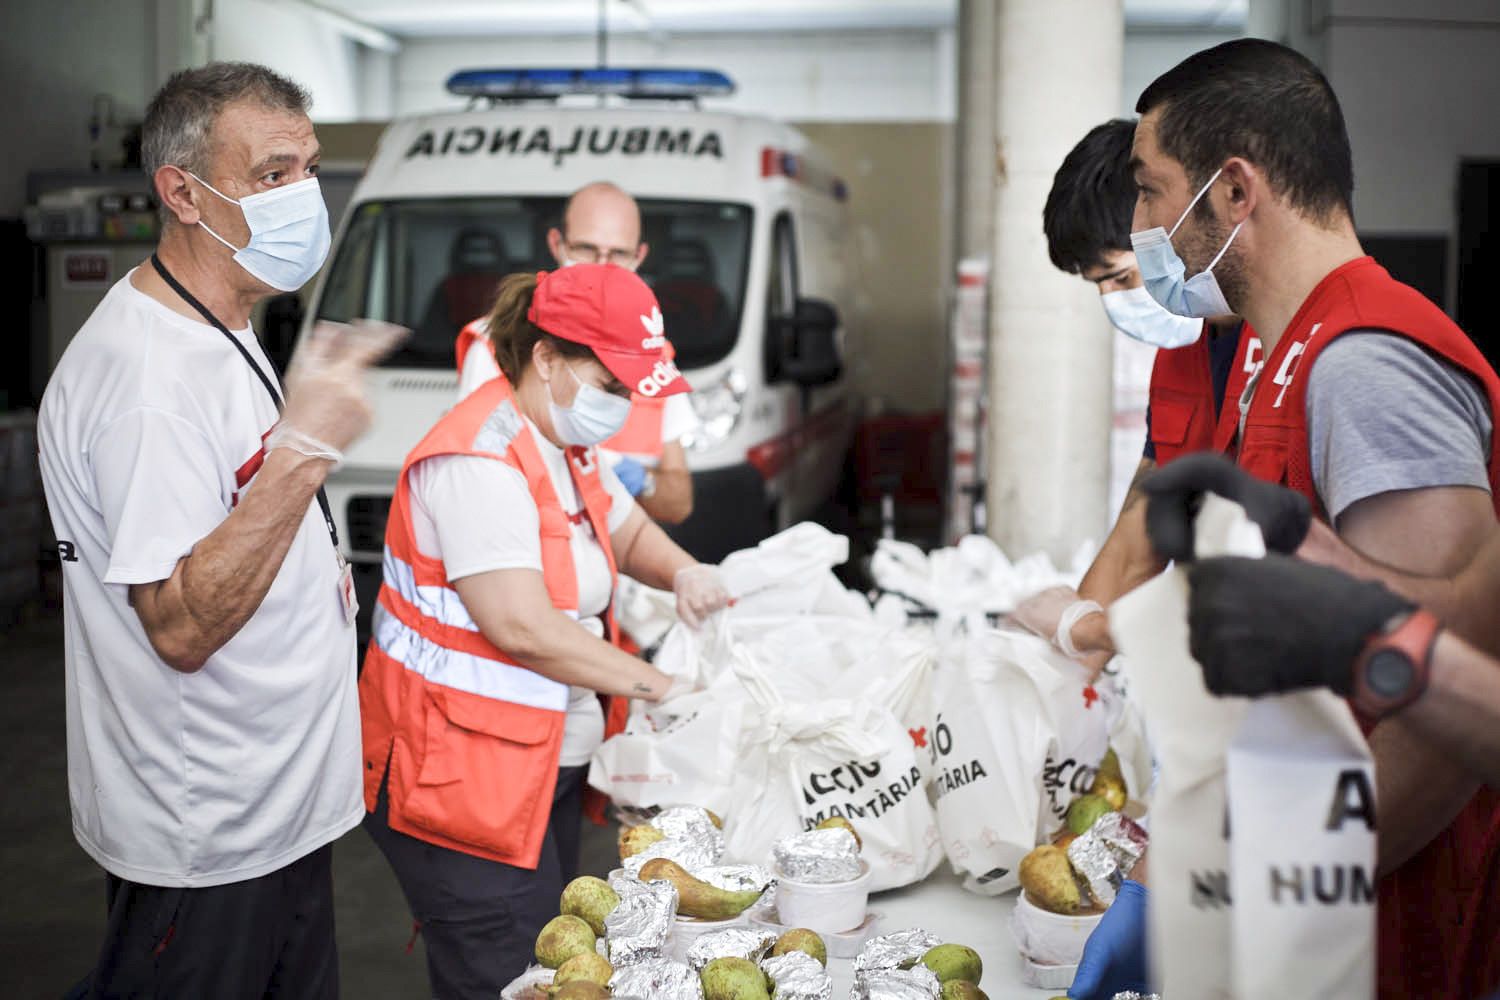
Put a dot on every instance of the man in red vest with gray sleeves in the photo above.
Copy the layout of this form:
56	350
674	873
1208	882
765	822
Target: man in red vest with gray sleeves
1373	406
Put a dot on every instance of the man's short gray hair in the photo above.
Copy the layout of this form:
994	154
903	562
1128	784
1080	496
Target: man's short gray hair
180	118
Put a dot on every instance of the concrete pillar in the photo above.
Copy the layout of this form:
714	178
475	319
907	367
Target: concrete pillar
1051	352
974	130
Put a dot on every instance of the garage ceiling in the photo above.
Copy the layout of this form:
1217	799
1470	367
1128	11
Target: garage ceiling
435	18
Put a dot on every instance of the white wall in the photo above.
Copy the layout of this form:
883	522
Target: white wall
1418	83
1150	52
54	57
296	44
808	76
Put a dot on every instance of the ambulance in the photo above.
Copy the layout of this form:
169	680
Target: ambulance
749	255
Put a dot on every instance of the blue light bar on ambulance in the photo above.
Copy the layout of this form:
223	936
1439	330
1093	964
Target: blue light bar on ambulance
634	82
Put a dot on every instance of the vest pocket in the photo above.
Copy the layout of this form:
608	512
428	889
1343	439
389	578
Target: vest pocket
1171	417
487	772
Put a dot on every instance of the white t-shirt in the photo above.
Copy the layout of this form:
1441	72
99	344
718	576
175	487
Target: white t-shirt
150	434
478	515
677	418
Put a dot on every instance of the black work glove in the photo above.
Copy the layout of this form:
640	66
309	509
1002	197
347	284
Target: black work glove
1175	494
1265	626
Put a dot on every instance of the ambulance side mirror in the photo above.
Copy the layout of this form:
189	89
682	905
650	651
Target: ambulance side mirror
808	344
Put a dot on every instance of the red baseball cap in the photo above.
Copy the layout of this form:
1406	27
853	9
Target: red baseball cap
612	311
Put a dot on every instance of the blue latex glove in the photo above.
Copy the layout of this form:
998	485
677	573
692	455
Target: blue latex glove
1114	958
632	474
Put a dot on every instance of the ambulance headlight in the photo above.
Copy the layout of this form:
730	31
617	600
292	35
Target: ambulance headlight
718	407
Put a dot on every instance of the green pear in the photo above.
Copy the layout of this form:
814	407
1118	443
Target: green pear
802	939
561	939
954	961
588	967
591	899
1048	879
1085	810
733	979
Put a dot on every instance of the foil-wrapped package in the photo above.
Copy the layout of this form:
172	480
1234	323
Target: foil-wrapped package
1133	995
1125	837
798	976
734	878
637	929
734	942
658	979
690	854
1105	854
918	983
890	951
1097	865
819	856
690	822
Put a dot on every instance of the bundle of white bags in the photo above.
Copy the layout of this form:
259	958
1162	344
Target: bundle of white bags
931	737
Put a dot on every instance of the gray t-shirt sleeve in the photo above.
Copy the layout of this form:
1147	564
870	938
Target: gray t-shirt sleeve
1384	414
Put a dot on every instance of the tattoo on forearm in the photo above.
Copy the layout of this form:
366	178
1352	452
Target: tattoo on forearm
641	688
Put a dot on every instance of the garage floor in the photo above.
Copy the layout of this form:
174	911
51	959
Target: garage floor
52	912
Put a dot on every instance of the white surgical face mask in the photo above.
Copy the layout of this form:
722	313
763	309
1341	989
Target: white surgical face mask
1162	270
1137	315
594	415
289	235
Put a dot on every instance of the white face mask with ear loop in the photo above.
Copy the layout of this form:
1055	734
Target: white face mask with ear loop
1138	316
289	235
1162	269
593	416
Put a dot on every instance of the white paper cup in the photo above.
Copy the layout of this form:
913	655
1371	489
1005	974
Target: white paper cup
828	908
1046	938
686	930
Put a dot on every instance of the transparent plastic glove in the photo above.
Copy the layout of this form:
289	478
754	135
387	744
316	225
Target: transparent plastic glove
680	686
1052	613
700	592
326	407
632	474
1114	958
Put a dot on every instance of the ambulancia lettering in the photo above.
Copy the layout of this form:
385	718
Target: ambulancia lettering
472	140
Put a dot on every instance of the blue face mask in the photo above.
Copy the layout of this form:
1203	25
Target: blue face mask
1137	315
289	235
1162	270
594	415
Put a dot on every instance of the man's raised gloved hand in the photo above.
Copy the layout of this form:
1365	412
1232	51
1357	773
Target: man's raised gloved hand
632	474
326	406
1263	626
1175	494
1114	958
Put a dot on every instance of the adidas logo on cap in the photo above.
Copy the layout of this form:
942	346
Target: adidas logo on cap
663	374
656	327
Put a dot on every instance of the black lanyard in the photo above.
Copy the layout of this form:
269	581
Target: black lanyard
265	380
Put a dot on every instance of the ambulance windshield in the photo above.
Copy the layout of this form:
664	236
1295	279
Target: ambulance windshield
433	264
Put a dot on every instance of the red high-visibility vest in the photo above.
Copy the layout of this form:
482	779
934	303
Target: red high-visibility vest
1439	912
1183	417
470	738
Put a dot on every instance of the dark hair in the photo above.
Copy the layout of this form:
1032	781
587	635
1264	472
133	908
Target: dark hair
1089	208
513	335
1264	102
180	118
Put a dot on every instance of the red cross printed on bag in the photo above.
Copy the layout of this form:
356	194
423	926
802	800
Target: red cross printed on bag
918	737
1089	696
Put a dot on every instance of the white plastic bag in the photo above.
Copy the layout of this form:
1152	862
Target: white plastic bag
804	758
1245	918
1302	850
1015	734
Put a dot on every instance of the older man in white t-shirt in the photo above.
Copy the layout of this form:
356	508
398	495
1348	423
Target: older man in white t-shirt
213	727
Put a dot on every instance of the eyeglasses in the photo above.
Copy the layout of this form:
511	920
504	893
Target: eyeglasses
587	253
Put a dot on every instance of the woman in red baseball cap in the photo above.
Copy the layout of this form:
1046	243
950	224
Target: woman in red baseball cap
493	642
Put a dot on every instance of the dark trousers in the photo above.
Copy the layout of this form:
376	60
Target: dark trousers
265	937
479	918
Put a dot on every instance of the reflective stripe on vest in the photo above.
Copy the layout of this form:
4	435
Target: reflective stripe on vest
465	671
